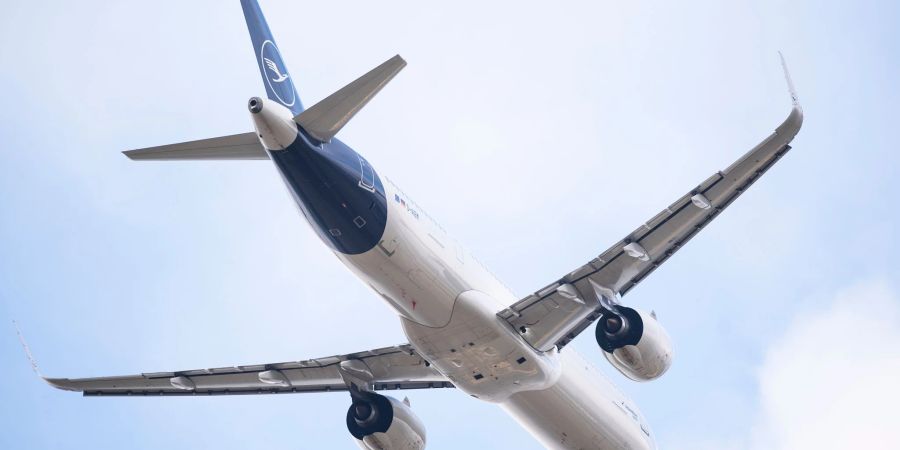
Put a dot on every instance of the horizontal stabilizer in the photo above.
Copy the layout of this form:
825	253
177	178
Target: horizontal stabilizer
324	119
237	146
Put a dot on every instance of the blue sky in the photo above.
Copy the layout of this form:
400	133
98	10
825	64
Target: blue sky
537	135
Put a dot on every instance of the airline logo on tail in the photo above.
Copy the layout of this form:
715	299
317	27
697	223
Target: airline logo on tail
278	79
274	68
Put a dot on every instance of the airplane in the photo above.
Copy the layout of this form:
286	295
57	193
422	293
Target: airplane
466	330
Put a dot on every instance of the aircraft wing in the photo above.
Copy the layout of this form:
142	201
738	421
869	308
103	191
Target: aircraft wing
554	315
398	367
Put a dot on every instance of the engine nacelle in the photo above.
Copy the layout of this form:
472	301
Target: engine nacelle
379	422
635	344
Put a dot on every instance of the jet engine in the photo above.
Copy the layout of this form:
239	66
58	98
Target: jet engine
379	422
635	343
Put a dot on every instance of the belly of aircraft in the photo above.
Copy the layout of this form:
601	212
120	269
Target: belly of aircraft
559	398
582	410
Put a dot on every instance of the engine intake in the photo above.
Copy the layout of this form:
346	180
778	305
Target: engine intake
379	422
635	344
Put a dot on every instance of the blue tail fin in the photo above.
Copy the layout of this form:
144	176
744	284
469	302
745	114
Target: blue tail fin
279	83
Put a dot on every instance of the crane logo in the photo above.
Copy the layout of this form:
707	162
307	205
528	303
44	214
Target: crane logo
274	68
275	72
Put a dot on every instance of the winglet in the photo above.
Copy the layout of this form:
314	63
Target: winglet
58	383
794	121
787	76
31	360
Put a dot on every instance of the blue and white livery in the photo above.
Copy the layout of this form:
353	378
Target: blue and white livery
466	330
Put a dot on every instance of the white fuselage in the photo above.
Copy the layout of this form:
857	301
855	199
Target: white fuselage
448	303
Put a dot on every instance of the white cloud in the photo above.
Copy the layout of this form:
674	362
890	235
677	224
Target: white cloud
830	381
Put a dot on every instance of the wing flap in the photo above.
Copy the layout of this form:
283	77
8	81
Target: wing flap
235	147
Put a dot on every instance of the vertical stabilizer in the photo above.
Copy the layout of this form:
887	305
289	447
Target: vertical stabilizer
278	82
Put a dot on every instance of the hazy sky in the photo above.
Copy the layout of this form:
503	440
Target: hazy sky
538	135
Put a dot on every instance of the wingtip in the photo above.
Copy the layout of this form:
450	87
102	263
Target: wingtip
400	59
31	360
62	384
794	121
58	383
795	100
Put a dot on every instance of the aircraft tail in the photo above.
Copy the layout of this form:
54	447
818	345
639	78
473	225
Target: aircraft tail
278	82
